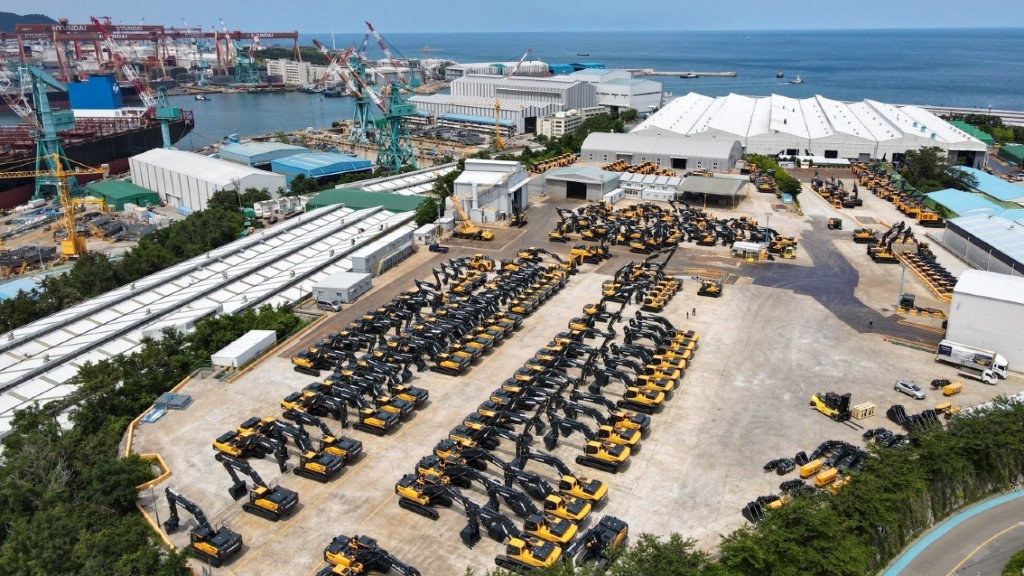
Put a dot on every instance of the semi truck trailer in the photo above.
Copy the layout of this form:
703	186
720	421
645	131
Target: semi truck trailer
962	355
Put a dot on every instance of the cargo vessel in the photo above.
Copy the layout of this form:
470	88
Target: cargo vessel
105	132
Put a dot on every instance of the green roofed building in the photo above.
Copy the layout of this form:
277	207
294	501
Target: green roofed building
974	131
359	199
1013	153
117	193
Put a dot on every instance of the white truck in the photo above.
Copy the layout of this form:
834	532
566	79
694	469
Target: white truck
961	355
983	374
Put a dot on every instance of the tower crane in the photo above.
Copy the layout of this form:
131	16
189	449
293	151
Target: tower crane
73	245
499	142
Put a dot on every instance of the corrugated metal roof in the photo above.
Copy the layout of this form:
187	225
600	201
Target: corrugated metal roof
995	187
1003	235
323	164
961	202
627	81
250	149
475	102
219	172
653	144
10	289
359	199
816	117
990	285
477	119
714	186
118	190
974	131
586	172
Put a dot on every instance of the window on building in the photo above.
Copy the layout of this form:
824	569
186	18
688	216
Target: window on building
604	157
714	166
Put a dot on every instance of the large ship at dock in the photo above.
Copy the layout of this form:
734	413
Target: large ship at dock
105	132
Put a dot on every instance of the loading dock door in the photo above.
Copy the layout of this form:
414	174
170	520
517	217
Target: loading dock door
576	190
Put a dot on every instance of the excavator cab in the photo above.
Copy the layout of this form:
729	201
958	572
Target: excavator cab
568	507
551	528
593	491
376	422
712	288
603	455
835	223
318	466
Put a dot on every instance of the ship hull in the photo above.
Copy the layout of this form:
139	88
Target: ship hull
113	150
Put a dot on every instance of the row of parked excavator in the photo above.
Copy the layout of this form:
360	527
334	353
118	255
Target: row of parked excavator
556	162
353	555
835	193
909	202
880	250
542	396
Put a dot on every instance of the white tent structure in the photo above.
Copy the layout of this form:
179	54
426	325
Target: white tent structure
818	126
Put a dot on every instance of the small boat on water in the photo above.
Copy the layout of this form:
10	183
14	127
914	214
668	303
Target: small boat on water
689	75
583	53
201	97
796	80
779	74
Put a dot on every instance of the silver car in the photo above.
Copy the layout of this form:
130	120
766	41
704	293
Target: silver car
909	388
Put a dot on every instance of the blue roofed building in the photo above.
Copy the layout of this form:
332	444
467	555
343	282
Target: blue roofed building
993	242
959	203
319	165
995	187
561	69
258	154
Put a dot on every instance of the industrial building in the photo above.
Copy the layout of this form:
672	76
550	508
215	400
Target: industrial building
1012	153
117	193
994	186
723	191
988	241
408	183
665	150
186	180
562	123
638	94
527	68
258	154
987	312
487	188
955	202
579	183
597	76
564	91
780	125
294	73
278	265
362	199
644	186
319	165
517	117
343	287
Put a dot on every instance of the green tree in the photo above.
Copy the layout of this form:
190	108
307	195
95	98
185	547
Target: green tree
628	115
226	200
426	212
302	185
928	170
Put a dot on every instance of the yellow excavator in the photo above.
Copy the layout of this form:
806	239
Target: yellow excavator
215	546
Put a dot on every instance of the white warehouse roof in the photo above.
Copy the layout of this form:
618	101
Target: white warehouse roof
656	144
994	285
220	172
279	265
805	119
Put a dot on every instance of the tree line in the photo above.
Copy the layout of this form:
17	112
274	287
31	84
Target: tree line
67	500
95	273
899	494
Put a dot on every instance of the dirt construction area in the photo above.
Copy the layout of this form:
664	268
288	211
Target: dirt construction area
781	331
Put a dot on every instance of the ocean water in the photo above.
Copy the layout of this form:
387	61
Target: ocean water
969	68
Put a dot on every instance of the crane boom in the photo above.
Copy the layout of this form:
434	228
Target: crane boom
20	104
335	66
520	63
126	67
366	89
387	52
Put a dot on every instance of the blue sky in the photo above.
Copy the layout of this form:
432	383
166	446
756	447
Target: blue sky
311	16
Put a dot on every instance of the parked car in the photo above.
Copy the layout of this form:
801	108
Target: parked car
330	306
909	388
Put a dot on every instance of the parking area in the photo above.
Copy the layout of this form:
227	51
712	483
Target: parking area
780	332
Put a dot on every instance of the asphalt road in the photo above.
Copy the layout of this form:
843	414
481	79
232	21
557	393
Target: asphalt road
977	542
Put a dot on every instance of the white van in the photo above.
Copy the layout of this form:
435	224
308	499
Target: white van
328	305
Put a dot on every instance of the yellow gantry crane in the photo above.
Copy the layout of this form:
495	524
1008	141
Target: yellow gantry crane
73	245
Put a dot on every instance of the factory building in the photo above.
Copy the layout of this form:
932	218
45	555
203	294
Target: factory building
487	188
564	91
527	68
518	116
579	183
989	241
294	73
625	93
667	151
987	312
186	180
779	125
995	187
597	76
319	165
258	154
562	123
955	202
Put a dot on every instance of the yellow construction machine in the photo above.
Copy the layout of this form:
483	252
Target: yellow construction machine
468	229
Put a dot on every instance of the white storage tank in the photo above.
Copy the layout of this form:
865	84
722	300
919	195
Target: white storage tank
987	312
246	348
343	287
